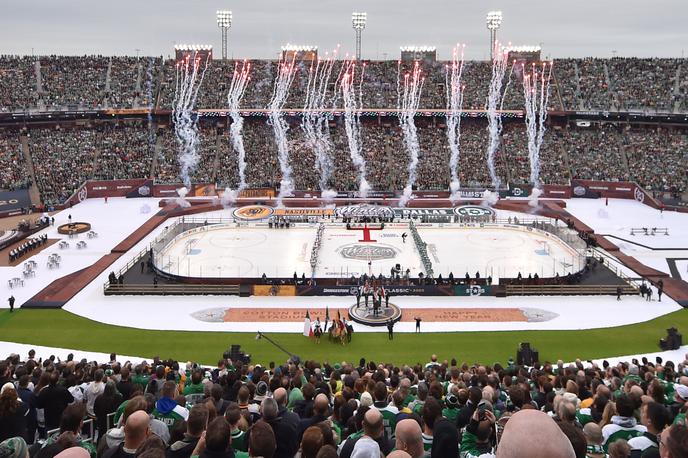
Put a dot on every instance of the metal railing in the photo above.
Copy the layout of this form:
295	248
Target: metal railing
563	290
88	423
613	264
176	289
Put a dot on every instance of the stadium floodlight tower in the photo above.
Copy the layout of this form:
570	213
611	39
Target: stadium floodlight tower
494	20
358	20
224	22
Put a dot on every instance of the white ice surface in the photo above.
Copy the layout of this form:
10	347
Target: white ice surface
228	251
240	252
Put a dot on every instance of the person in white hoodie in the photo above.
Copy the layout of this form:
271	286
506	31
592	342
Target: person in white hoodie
93	390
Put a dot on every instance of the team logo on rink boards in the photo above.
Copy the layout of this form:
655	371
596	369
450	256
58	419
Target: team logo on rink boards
639	195
473	210
371	252
253	212
83	194
579	191
364	210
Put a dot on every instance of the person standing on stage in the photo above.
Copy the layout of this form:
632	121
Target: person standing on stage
418	320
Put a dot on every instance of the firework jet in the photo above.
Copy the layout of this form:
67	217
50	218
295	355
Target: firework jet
352	95
237	88
495	101
408	97
453	73
185	123
314	121
536	95
280	92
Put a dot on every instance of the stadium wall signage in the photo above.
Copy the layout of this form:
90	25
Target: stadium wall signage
411	290
304	211
473	290
364	211
474	211
253	212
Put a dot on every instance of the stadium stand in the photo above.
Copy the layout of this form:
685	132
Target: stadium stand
440	408
654	155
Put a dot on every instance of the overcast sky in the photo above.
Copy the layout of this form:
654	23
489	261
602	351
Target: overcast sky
564	28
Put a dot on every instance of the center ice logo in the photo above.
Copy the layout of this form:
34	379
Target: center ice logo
367	252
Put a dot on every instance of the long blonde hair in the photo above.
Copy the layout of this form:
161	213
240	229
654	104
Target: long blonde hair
607	414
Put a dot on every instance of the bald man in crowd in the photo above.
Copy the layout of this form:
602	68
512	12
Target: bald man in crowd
373	428
136	431
409	438
321	410
533	434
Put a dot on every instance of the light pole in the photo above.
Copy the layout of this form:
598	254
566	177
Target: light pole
358	20
494	20
224	22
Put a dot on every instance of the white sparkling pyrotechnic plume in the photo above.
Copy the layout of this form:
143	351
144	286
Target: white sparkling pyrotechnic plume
495	100
315	121
149	101
408	98
352	96
185	121
237	88
536	95
453	73
280	92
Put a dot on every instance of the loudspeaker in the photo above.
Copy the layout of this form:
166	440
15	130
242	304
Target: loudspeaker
526	356
673	340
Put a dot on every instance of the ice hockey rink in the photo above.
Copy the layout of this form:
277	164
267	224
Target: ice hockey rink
225	250
179	312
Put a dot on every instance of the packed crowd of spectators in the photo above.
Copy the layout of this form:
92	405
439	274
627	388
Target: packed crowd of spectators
17	83
596	154
90	81
368	409
13	174
167	166
657	158
62	160
643	83
73	81
125	152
